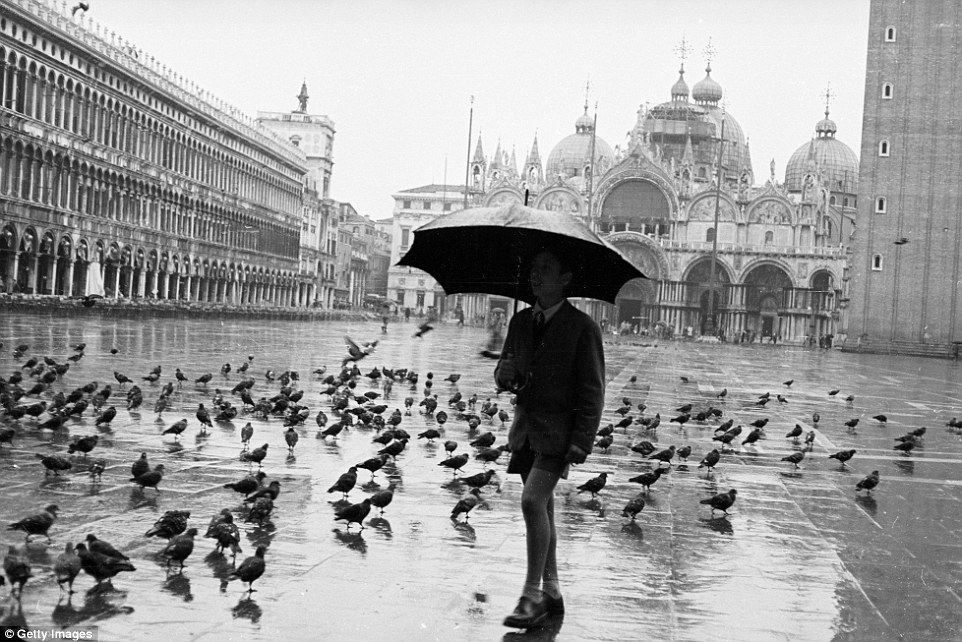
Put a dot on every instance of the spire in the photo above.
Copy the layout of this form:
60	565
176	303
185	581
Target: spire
478	151
496	161
679	91
688	156
302	97
826	127
513	163
534	156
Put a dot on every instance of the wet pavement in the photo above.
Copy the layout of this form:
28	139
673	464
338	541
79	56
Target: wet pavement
801	557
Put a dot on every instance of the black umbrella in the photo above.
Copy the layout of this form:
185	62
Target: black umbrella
488	250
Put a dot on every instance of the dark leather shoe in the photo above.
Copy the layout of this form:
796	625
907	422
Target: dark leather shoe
553	605
527	614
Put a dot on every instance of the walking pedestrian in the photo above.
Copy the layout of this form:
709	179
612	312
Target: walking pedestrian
553	359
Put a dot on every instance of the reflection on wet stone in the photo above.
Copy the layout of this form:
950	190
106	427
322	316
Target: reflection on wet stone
793	537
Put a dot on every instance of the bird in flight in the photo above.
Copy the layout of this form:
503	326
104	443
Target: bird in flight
80	6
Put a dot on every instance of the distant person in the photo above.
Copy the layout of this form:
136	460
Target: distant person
460	315
553	360
407	314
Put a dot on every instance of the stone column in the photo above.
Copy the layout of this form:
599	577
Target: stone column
141	282
162	283
69	289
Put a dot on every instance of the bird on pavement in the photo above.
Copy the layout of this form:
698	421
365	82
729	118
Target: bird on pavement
140	466
644	448
106	416
490	455
722	394
150	478
345	482
683	452
224	531
594	485
788	384
752	437
203	416
248	484
605	442
466	504
478	480
291	437
83	444
17	571
710	460
171	523
373	464
37	524
681	419
66	567
795	433
255	456
647	479
868	483
54	463
455	463
721	501
382	498
100	566
843	455
833	392
759	423
260	510
880	418
176	429
250	569
810	439
355	513
634	506
664	455
795	458
180	547
905	446
423	329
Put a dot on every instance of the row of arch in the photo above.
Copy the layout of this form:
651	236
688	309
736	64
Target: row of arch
48	95
41	261
61	181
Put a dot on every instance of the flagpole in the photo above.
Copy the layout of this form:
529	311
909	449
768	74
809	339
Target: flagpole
467	165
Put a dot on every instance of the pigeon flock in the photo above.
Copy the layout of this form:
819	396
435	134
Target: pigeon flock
352	404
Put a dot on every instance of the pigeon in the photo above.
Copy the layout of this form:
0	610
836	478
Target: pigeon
455	463
722	394
843	455
664	455
634	506
595	484
246	433
851	423
868	483
394	448
918	432
176	429
430	434
423	329
680	419
97	469
223	529
355	352
203	416
880	418
7	435
248	484
759	423
905	446
355	513
721	501
453	378
710	460
345	482
204	378
151	478
37	524
261	509
81	6
180	547
753	436
54	463
171	523
795	458
810	439
99	565
250	569
140	466
466	504
383	497
833	392
850	398
605	442
255	456
788	384
291	437
83	444
17	571
101	547
683	452
478	480
66	567
795	433
490	455
647	479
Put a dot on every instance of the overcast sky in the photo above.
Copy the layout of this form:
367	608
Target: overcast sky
397	76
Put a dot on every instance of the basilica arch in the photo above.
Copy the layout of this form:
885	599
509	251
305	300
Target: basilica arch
768	296
638	301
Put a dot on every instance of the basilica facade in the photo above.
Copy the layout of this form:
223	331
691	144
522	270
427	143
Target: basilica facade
780	247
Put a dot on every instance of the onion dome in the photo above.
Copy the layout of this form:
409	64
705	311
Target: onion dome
679	91
836	162
706	90
569	155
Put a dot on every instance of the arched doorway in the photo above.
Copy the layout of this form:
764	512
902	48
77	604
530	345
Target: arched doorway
706	297
766	289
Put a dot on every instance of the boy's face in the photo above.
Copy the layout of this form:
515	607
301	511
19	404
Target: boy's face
547	280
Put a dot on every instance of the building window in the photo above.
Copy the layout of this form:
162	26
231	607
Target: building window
447	207
710	234
880	205
877	263
831	201
845	202
887	90
427	205
890	34
769	237
420	299
405	237
883	148
406	204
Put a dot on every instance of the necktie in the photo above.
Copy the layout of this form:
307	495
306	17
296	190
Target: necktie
539	324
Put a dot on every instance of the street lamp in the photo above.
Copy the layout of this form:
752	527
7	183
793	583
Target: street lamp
710	325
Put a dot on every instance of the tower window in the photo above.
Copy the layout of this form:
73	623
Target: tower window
877	263
880	205
883	148
887	91
890	34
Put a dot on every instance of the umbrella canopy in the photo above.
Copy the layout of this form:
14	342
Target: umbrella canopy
489	250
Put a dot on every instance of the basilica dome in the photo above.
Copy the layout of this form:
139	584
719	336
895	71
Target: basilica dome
569	155
836	161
